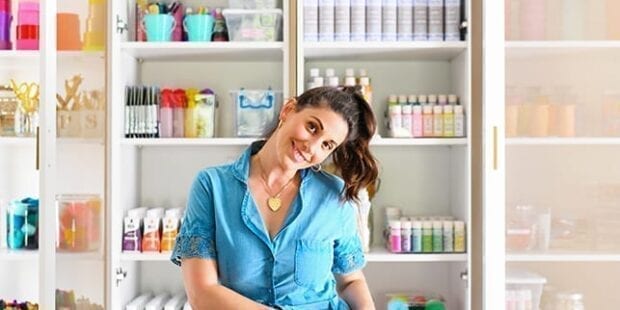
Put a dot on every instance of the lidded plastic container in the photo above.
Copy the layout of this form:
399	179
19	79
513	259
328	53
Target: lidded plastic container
523	289
253	25
252	4
22	224
79	222
521	228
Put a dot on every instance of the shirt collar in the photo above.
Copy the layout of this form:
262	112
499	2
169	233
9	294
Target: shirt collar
241	167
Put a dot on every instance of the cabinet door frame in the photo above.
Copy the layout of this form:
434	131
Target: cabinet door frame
494	181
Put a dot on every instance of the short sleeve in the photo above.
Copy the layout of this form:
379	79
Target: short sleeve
197	235
348	251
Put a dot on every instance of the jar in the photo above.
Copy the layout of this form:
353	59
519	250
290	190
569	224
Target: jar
521	228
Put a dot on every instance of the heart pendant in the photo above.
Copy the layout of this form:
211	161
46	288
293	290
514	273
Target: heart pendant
274	203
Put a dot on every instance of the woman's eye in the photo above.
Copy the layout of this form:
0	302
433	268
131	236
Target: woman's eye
327	146
312	127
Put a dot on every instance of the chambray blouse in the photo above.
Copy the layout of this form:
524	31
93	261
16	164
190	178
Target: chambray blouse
296	269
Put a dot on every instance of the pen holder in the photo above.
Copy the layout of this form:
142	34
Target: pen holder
94	34
159	27
27	26
199	27
22	224
68	32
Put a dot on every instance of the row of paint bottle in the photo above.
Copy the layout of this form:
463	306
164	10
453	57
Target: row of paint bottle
562	19
426	235
151	230
381	20
422	116
350	80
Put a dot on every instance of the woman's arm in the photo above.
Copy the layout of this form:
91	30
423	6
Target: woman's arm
353	289
204	291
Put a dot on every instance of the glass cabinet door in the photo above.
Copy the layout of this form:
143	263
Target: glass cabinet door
20	82
80	153
562	140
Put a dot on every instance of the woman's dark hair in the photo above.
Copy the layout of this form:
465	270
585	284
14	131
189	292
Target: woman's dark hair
352	158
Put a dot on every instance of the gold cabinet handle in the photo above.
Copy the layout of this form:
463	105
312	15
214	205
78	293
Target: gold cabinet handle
494	147
37	149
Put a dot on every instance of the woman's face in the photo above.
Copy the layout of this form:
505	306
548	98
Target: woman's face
308	137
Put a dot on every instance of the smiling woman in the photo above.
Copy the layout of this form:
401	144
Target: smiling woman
295	224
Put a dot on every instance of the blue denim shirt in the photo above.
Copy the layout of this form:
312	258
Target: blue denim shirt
296	269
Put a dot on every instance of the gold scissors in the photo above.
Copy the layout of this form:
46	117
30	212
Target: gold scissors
28	94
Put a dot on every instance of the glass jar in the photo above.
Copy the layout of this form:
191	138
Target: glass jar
8	106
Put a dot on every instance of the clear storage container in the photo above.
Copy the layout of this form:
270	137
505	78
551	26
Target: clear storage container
256	111
523	289
252	4
253	25
79	222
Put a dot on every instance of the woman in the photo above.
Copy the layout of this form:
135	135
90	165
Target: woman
272	231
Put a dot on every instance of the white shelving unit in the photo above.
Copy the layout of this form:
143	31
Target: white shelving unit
564	256
409	68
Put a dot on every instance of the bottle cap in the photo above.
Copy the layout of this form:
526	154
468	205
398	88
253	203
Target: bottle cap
314	72
333	81
443	99
437	224
452	99
394	224
422	99
447	225
427	109
349	72
416	224
402	99
459	225
364	81
318	81
432	99
330	72
392	99
363	72
405	225
437	109
412	99
427	224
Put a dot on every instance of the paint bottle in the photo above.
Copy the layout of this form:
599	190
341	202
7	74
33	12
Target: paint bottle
314	73
448	236
448	121
453	20
395	116
395	236
427	121
613	20
532	20
405	235
389	20
406	114
435	20
311	20
165	114
573	13
343	20
459	117
366	89
427	237
416	236
178	121
437	117
416	121
405	20
420	20
358	20
326	20
459	236
437	236
373	20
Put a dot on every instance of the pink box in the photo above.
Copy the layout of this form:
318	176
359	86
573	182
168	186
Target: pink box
28	13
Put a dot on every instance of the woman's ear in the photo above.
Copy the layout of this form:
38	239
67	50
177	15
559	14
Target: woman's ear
288	107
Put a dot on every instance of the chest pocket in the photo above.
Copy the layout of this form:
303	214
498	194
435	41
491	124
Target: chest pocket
313	262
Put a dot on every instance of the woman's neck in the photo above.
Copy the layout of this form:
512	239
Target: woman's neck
272	170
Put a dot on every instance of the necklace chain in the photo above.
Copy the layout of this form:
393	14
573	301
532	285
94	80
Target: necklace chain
274	202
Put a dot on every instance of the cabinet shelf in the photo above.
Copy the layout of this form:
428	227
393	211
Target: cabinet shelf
205	51
247	141
381	255
564	256
15	55
562	44
563	141
383	50
30	141
33	255
145	257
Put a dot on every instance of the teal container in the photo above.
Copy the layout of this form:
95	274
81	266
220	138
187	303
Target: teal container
159	27
199	27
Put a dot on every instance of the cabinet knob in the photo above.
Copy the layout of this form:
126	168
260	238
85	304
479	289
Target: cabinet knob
464	276
121	25
121	274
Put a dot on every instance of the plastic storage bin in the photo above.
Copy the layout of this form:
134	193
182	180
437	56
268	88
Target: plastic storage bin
523	289
256	111
79	222
253	25
23	224
252	4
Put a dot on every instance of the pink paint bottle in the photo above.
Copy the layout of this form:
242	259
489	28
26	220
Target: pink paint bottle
178	112
532	19
395	236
